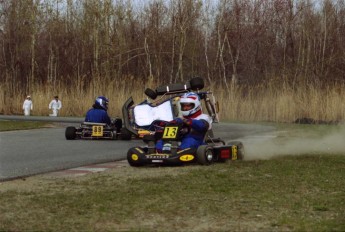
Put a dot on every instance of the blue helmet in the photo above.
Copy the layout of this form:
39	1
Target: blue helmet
102	102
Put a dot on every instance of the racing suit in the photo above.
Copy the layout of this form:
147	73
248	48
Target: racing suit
27	107
199	126
55	105
99	115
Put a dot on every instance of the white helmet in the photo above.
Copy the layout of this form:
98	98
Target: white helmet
190	98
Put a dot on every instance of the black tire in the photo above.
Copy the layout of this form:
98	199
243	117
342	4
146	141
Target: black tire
70	133
151	93
114	135
133	157
117	123
240	149
204	155
196	83
125	134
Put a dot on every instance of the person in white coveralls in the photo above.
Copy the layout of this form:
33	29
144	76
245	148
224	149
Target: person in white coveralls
55	105
27	106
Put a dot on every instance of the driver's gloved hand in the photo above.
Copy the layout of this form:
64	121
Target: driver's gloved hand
187	122
177	121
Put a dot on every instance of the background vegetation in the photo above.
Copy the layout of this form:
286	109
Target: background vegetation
265	60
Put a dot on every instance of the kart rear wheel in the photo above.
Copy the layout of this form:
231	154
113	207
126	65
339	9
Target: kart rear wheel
114	135
204	155
196	83
125	134
133	157
70	133
151	93
240	149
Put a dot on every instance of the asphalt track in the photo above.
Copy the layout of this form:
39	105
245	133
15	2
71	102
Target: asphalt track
30	152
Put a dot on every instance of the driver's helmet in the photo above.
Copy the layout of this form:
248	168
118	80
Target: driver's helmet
102	102
190	104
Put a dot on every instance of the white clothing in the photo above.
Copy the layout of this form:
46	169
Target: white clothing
205	117
27	107
55	105
145	114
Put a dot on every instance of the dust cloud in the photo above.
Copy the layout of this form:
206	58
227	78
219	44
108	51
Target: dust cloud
274	144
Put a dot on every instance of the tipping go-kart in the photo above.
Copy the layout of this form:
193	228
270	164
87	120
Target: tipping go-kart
213	149
93	130
162	105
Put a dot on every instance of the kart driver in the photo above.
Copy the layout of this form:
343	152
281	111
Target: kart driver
98	112
193	117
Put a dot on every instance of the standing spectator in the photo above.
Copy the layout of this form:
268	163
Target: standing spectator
55	105
27	106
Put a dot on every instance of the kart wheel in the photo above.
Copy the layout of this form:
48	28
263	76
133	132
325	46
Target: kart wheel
240	149
204	154
151	93
133	157
70	133
117	123
114	135
125	134
197	83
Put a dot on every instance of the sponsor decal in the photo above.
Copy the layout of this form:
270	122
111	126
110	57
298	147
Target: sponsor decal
187	157
135	157
157	156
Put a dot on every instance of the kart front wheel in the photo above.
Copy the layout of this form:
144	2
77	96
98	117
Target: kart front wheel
70	133
133	157
204	155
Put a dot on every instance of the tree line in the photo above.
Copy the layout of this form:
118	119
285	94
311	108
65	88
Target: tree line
228	41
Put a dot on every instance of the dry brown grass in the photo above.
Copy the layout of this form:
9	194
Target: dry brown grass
269	102
283	103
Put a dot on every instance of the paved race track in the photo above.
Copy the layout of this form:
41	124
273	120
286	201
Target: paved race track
29	152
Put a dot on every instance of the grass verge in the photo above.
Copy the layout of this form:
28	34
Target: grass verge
290	193
21	125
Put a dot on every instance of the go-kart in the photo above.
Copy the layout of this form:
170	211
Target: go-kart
92	130
162	105
213	149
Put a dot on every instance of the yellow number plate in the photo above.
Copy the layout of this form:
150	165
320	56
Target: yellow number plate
234	152
97	130
170	132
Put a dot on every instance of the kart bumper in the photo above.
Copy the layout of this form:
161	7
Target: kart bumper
138	157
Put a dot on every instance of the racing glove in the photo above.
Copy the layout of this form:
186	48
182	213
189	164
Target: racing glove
185	121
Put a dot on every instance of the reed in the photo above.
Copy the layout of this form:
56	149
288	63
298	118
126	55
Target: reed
275	102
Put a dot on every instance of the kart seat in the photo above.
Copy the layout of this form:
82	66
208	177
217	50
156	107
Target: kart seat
145	114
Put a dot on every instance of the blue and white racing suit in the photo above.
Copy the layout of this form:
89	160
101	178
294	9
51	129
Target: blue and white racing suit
199	127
